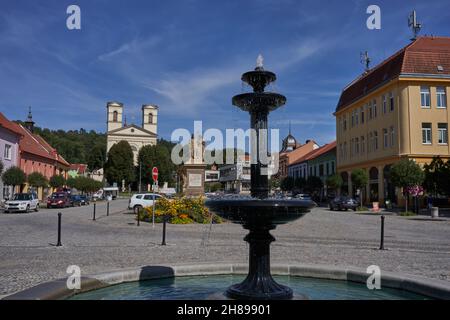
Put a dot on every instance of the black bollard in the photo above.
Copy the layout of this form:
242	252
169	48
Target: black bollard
93	218
107	209
163	243
138	220
59	230
382	234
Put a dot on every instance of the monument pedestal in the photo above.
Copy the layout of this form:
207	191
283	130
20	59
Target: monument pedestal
194	179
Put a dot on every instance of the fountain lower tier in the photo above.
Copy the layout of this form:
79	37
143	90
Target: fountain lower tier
259	216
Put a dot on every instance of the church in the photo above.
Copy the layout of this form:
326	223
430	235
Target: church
137	137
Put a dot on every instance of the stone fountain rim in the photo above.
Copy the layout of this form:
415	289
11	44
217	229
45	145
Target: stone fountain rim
53	290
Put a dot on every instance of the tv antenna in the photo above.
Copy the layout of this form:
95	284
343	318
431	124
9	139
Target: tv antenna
414	25
365	59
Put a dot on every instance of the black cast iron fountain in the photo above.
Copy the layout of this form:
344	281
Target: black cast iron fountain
259	213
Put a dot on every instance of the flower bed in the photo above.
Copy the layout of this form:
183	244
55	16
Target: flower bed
179	211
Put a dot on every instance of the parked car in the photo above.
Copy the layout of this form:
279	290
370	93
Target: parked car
22	202
75	200
59	200
142	200
343	203
84	200
303	196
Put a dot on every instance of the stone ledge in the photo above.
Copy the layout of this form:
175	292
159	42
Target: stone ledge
57	289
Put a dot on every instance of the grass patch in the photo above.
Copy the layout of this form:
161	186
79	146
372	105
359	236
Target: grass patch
407	214
359	209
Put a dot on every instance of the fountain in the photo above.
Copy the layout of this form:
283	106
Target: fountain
259	214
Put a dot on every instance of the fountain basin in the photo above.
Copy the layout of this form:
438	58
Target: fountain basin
260	211
427	288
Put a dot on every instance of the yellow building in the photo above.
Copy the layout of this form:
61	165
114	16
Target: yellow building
398	109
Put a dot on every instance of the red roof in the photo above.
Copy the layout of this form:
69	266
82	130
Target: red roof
78	167
420	57
10	126
32	143
317	152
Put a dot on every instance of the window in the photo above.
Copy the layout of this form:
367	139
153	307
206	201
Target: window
391	102
374	108
363	146
321	170
385	138
356	117
115	116
150	118
353	118
426	133
7	152
362	115
345	150
345	123
357	145
441	97
392	136
375	140
442	133
425	97
370	111
383	98
370	142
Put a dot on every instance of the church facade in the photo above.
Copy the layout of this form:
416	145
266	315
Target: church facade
136	136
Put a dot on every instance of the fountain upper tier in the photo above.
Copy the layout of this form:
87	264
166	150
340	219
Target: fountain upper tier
259	100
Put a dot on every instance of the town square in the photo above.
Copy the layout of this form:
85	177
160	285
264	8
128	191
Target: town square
180	158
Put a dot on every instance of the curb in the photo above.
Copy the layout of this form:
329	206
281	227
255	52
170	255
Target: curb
57	289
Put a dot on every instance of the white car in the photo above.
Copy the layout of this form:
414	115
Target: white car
22	202
142	200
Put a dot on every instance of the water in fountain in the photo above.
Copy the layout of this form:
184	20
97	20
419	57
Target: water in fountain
259	213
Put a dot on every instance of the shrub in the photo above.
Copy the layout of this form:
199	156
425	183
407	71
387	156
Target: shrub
179	211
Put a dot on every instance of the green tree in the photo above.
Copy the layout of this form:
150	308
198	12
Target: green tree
406	173
57	181
274	183
299	183
71	182
14	176
1	167
37	180
119	165
313	184
437	177
360	178
155	156
334	182
287	184
96	158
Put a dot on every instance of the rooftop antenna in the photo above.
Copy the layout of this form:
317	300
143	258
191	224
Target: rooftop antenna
414	25
289	127
365	59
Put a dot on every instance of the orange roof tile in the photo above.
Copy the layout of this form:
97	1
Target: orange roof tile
316	153
422	56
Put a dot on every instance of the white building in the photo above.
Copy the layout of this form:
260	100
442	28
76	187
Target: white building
136	136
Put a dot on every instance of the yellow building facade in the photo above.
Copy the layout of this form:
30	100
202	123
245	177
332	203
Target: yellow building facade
397	109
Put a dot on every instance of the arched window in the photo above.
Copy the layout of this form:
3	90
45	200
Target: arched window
115	116
150	118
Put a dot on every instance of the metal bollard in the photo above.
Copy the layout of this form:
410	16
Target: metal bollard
107	209
163	243
93	218
382	234
138	220
58	244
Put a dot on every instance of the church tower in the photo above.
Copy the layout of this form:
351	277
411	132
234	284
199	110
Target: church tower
150	118
115	113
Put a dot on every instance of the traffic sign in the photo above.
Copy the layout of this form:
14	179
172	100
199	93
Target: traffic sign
155	174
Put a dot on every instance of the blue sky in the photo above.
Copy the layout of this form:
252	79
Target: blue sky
188	56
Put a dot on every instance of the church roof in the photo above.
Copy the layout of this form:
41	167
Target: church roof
115	131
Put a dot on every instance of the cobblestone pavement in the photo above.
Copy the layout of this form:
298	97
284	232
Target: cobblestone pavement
28	255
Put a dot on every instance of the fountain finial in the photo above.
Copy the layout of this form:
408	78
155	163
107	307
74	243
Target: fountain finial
259	62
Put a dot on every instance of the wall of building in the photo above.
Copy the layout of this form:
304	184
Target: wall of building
8	138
